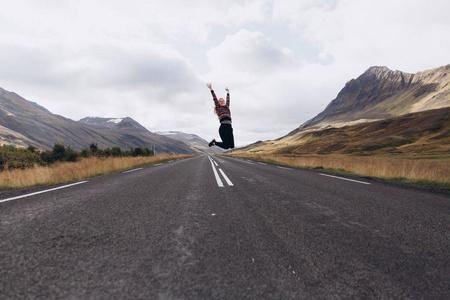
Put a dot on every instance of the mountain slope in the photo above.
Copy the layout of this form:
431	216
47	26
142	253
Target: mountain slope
26	123
381	93
421	134
424	133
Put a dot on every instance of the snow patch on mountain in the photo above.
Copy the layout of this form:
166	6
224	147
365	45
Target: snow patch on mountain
171	133
116	121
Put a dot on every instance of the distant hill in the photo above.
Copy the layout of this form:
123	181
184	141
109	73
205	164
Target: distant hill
26	123
192	140
113	123
380	112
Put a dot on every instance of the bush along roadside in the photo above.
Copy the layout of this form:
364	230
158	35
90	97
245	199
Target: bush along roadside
12	157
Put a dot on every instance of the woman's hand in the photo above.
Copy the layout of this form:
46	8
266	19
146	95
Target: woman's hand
226	89
209	85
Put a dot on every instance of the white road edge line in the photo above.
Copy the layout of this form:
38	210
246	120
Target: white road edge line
344	178
226	178
219	181
262	163
284	168
129	171
41	192
158	164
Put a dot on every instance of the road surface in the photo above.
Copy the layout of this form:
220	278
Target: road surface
225	228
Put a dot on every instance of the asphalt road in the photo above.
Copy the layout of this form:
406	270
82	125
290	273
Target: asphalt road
225	228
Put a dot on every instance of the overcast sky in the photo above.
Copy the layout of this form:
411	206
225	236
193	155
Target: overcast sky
283	60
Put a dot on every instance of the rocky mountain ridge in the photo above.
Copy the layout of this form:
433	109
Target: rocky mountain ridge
381	93
113	123
25	123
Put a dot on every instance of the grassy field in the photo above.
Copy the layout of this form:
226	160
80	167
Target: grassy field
434	171
413	148
75	171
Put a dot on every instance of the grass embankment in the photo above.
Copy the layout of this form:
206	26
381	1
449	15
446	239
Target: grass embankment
85	168
433	172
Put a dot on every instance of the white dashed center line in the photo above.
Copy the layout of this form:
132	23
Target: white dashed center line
216	174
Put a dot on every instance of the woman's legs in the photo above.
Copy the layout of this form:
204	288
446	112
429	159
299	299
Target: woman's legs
226	134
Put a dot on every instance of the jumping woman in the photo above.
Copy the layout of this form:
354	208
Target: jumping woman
222	110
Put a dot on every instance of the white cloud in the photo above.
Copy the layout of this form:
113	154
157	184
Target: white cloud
396	33
250	55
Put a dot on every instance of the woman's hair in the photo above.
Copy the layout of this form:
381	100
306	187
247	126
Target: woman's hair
215	108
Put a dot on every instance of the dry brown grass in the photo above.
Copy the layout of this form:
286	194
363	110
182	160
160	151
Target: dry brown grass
69	171
431	172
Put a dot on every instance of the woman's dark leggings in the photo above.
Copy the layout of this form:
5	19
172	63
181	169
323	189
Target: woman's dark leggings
226	134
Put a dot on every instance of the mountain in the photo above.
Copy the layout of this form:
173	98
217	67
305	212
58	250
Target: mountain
424	133
381	112
113	123
381	93
193	141
26	123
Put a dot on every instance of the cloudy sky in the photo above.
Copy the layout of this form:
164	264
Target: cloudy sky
283	60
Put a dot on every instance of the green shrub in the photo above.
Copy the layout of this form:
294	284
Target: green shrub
12	157
116	151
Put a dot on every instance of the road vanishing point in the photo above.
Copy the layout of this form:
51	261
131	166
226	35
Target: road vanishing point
215	227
